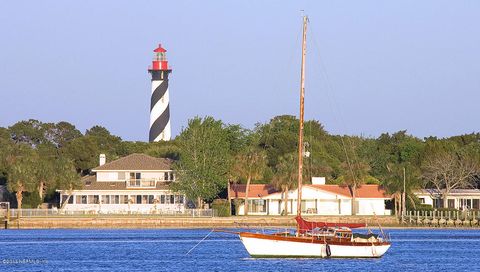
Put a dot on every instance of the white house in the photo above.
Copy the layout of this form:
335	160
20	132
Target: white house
136	183
459	199
317	199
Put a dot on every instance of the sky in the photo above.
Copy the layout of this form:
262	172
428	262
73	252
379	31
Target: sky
372	66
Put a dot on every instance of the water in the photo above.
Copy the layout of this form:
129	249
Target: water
164	250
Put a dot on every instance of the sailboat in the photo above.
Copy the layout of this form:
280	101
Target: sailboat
313	239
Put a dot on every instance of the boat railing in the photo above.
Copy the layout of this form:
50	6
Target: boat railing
262	227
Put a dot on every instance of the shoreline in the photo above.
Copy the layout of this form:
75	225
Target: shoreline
159	222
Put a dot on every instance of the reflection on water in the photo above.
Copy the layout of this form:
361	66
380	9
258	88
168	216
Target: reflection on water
165	250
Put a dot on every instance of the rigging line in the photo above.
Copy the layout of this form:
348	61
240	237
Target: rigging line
200	242
334	107
288	68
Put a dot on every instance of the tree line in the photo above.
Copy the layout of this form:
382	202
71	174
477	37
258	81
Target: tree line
37	158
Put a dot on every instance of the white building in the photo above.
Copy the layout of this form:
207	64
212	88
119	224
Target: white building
317	199
136	183
459	199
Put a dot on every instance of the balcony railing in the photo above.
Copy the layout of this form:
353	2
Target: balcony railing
141	183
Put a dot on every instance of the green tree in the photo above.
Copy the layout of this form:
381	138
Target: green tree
61	133
44	167
204	159
21	171
84	152
31	132
249	164
393	183
285	177
355	174
67	178
105	142
163	149
279	137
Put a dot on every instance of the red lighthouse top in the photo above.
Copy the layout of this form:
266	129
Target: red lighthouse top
160	59
160	49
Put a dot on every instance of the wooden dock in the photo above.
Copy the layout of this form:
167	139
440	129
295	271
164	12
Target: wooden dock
459	219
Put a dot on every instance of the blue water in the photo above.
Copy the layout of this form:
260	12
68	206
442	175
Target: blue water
164	250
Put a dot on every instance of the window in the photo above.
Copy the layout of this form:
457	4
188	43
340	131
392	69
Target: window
144	199
135	175
150	199
257	205
139	199
438	203
91	199
106	199
165	176
124	199
476	204
172	199
451	203
180	199
84	199
114	199
162	199
422	200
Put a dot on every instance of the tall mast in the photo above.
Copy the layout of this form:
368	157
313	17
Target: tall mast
300	136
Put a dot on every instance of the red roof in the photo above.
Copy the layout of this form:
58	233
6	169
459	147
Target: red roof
371	191
261	190
160	49
255	190
332	188
364	191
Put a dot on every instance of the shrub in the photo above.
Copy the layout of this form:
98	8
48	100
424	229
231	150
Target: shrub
31	200
221	207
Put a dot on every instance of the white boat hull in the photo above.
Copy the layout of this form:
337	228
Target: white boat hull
273	248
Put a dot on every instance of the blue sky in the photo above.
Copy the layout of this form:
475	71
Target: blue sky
372	67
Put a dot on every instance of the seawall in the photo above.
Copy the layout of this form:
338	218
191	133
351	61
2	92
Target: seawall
133	222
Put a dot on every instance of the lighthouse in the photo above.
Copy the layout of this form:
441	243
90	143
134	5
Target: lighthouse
159	101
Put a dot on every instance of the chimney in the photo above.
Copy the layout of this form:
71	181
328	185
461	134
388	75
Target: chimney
103	159
318	180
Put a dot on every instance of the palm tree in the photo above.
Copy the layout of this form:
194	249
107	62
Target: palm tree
250	165
285	177
66	178
354	175
393	183
21	171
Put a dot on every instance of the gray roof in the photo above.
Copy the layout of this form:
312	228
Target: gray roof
459	192
137	162
90	184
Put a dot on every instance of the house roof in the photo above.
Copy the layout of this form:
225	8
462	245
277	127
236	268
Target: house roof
91	184
255	190
372	191
457	192
137	162
332	188
262	190
364	191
